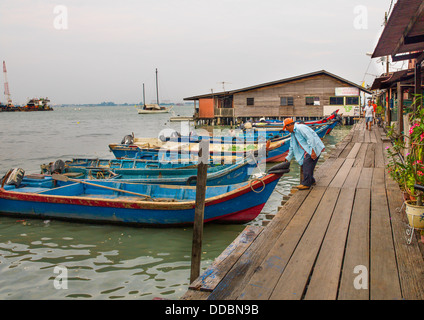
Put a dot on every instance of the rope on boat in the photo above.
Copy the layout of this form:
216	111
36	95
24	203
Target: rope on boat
251	186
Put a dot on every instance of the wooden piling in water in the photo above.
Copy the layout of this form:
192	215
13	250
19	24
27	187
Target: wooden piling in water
202	168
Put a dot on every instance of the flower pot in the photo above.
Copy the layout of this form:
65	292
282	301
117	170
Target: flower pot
415	215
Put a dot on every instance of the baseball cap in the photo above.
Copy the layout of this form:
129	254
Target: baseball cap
286	122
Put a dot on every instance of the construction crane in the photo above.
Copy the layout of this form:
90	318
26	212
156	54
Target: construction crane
6	86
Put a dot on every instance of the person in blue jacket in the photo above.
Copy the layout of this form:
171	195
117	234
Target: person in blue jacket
305	147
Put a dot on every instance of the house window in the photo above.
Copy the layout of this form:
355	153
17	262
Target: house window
250	101
352	100
312	101
337	101
286	101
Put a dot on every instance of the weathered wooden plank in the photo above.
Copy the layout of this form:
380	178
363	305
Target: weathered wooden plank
326	177
379	156
361	136
195	295
357	250
384	278
369	156
347	150
292	282
365	178
236	279
360	157
367	136
352	154
341	175
408	256
223	263
377	135
389	182
341	145
373	139
324	282
353	177
378	178
264	279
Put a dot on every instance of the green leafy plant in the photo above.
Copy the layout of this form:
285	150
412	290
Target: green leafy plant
408	170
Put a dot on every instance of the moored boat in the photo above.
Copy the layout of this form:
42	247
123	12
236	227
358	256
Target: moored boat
136	204
276	149
279	124
159	174
153	108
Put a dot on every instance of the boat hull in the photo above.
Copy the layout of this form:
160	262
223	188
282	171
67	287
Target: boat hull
217	175
239	205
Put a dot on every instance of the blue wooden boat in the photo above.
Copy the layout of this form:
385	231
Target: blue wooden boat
112	164
216	174
135	204
269	124
275	150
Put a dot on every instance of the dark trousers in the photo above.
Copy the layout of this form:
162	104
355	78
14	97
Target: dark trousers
308	170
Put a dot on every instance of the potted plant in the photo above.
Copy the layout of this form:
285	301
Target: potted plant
408	170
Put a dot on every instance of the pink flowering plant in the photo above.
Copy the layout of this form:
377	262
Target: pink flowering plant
409	169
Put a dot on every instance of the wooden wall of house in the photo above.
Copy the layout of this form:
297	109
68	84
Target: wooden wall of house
267	99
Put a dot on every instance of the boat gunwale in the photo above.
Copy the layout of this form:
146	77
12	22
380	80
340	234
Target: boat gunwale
248	186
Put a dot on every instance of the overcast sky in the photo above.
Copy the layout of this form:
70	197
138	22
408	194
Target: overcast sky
100	50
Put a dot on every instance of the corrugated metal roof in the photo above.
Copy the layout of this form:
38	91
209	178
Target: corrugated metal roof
387	81
405	21
267	84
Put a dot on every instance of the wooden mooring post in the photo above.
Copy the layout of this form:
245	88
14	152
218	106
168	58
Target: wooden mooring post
202	168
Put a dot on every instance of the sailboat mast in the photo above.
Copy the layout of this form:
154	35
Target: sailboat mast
157	92
144	98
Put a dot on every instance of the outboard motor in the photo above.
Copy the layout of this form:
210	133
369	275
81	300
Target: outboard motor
281	168
128	139
15	176
57	167
175	134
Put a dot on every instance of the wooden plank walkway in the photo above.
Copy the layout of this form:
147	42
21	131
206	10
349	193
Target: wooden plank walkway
342	239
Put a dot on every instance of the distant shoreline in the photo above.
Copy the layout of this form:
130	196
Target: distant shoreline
120	105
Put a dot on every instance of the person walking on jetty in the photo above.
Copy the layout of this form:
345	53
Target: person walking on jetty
306	147
368	114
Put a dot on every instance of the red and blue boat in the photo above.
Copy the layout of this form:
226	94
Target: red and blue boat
276	150
134	203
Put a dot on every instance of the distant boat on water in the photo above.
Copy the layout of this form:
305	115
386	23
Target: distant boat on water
40	104
153	108
35	104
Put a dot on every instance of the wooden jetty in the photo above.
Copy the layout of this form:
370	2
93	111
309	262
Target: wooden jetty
344	239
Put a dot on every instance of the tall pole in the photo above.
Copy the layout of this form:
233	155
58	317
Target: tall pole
202	167
157	91
387	57
144	97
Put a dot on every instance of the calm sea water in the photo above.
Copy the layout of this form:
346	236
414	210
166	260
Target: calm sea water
102	261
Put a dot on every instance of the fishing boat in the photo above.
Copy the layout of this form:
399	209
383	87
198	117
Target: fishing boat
134	204
279	124
153	108
37	104
276	150
216	174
